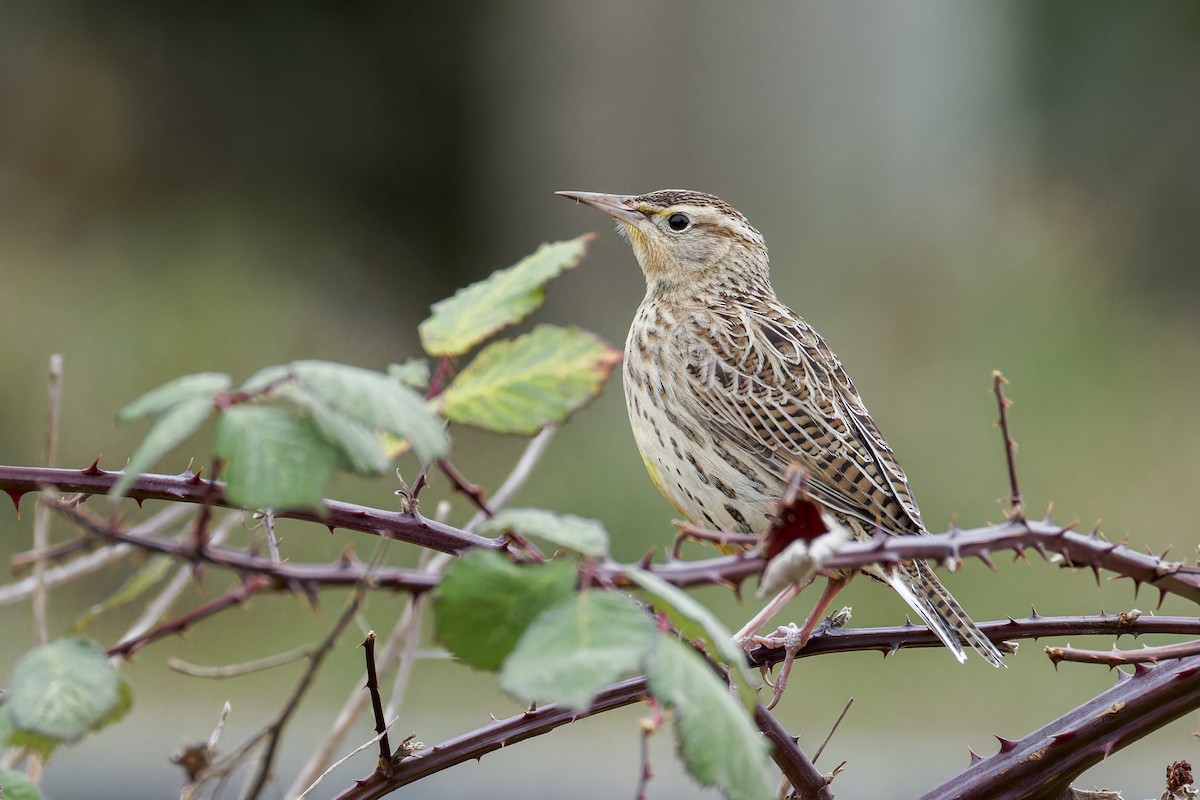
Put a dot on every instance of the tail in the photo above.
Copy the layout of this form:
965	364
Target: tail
922	590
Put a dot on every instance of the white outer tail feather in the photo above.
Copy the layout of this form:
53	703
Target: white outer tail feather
927	615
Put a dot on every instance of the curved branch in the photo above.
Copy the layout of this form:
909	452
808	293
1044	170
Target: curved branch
798	768
1139	704
304	578
191	488
1018	536
1077	550
889	640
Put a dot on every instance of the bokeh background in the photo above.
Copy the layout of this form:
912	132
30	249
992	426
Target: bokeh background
946	189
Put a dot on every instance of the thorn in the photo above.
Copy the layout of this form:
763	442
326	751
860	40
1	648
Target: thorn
1049	512
1096	572
15	495
975	757
1005	744
1122	676
1060	738
1141	669
736	587
139	501
1187	672
986	558
1033	614
195	479
646	560
1162	595
1095	534
331	529
93	469
1108	748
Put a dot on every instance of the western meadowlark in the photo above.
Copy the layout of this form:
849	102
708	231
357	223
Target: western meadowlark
728	389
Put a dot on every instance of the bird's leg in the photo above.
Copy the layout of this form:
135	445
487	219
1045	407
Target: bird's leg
790	638
772	608
835	584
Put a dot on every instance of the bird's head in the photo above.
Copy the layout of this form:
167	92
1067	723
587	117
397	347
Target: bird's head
682	237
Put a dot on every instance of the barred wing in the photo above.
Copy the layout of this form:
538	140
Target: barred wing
773	389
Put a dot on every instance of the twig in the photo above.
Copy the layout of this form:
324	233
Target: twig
1017	505
649	726
372	687
284	576
833	730
268	526
520	473
400	645
235	597
96	561
461	484
197	760
401	640
41	514
690	533
20	562
805	778
275	729
157	608
1115	657
338	763
237	670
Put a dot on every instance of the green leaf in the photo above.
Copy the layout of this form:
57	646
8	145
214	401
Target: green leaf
521	385
16	786
63	690
414	373
361	448
693	620
188	387
140	582
177	424
375	400
574	650
717	737
272	460
506	296
485	602
586	536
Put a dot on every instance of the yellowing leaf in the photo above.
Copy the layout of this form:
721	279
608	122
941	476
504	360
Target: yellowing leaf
460	322
521	385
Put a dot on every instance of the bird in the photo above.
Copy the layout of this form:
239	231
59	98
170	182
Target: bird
729	392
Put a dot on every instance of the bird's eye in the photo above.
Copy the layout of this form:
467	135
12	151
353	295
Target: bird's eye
678	222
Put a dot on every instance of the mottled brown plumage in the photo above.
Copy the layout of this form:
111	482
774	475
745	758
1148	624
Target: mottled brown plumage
728	388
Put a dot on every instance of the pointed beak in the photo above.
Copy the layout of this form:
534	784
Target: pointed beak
617	206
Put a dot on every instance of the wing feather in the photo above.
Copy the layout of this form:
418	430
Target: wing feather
776	391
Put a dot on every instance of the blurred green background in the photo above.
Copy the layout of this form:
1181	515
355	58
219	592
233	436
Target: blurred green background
946	189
